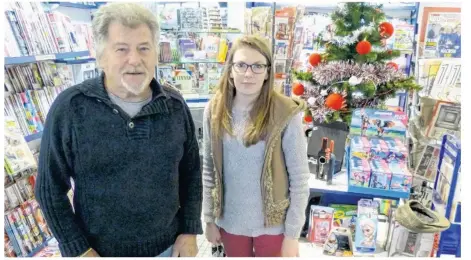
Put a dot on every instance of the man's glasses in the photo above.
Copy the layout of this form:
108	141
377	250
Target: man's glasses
241	67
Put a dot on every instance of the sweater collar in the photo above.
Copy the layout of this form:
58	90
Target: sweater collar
96	88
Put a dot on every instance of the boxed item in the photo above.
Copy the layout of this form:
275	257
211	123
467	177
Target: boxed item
398	151
379	145
380	175
367	226
320	224
360	172
345	216
401	178
360	144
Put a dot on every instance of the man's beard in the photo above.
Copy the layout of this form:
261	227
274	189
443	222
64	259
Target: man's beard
136	89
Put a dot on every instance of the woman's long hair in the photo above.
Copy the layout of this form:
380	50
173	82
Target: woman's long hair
260	112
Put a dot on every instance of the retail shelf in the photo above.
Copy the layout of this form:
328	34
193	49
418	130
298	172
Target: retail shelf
35	136
340	186
94	5
188	62
39	248
310	250
228	31
196	98
378	192
77	61
57	56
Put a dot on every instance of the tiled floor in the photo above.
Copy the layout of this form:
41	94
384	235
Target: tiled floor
204	247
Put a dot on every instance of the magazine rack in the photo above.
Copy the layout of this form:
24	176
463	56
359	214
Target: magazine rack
446	195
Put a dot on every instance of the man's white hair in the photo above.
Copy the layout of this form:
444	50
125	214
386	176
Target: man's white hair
128	14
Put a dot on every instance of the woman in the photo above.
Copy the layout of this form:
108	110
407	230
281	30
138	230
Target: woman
255	169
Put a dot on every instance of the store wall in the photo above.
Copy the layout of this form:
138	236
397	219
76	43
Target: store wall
235	18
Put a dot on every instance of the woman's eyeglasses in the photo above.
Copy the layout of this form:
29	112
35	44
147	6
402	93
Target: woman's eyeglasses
241	67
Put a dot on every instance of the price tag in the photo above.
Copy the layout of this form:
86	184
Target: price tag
46	57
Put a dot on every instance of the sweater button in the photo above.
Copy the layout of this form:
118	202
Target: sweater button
115	111
131	125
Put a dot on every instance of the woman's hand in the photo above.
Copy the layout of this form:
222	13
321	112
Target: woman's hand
290	247
212	234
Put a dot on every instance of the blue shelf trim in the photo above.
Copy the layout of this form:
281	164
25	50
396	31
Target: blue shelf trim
70	55
365	192
33	137
78	61
197	100
378	192
57	56
79	6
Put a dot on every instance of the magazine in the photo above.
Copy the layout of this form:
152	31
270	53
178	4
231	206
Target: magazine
403	38
281	49
443	35
18	156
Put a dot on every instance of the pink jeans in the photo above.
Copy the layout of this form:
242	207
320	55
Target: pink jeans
242	246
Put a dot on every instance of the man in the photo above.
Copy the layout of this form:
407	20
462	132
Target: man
129	144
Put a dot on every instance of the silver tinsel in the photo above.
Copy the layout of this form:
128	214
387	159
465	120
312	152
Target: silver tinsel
335	71
346	40
316	105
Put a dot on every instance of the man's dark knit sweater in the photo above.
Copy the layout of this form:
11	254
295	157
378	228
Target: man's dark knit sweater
137	180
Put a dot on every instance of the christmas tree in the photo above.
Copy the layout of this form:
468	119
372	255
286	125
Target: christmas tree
356	70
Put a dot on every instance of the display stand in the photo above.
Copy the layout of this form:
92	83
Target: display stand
446	197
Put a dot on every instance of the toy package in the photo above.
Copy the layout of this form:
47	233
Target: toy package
359	172
367	226
378	123
377	137
397	148
386	206
345	216
360	144
320	224
379	145
401	177
339	243
380	175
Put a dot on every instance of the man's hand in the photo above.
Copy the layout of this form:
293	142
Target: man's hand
290	247
91	253
185	246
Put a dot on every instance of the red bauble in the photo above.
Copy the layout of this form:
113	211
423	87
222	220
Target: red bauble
393	64
308	118
315	59
298	89
334	101
363	47
386	30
